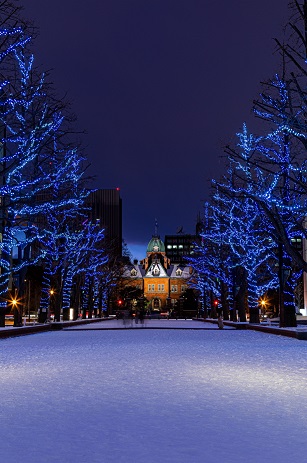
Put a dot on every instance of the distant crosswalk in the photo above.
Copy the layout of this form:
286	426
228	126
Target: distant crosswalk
148	324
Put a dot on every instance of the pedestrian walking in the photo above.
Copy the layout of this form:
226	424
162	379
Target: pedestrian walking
141	317
125	318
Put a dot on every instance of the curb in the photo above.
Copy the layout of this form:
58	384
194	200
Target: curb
288	332
39	328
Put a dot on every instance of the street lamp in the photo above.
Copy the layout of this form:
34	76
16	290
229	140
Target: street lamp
51	303
14	302
263	306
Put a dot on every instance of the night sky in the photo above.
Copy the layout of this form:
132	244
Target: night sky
160	86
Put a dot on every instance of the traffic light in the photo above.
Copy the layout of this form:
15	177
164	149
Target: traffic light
216	302
119	302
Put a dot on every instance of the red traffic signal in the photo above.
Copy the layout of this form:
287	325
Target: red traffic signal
216	302
119	302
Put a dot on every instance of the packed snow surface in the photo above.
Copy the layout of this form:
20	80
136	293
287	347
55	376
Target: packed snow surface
153	396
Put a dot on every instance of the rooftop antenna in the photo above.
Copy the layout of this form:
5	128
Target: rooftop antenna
156	227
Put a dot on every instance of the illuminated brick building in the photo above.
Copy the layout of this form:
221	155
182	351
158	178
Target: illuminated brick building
162	282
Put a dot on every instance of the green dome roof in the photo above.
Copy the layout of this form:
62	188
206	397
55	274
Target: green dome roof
155	245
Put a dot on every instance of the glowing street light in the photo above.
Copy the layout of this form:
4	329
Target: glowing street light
16	305
14	302
51	304
263	304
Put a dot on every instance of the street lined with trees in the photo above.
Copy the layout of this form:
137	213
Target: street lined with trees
254	225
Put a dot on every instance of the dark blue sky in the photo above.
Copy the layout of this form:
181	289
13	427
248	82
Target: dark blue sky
160	87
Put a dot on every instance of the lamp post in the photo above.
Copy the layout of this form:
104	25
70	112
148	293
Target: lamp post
181	303
15	302
169	306
263	306
51	301
204	296
15	310
28	299
283	316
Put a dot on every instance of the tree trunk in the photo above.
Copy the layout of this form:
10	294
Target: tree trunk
224	301
241	284
254	315
287	316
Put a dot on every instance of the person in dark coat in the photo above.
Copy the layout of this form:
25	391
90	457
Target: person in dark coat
220	323
141	316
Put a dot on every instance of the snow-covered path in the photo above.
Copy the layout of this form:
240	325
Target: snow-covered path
153	396
149	324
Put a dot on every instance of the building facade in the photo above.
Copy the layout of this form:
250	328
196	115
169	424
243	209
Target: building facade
179	246
105	209
162	283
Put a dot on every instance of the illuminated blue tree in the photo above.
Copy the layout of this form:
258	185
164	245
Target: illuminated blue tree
83	259
27	127
267	182
111	273
272	178
282	106
59	222
238	252
13	38
38	168
201	276
15	33
41	172
211	263
248	232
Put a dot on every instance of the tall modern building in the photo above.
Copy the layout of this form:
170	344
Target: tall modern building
106	209
179	246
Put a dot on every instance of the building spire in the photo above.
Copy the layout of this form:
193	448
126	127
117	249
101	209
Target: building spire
156	227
